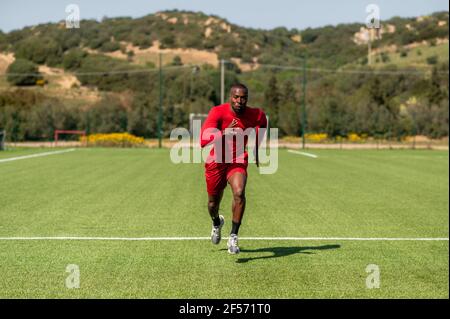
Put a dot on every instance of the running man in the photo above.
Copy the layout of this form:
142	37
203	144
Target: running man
229	119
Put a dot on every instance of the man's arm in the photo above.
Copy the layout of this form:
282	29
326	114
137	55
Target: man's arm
210	129
263	120
262	123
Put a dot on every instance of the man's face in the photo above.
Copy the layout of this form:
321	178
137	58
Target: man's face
239	99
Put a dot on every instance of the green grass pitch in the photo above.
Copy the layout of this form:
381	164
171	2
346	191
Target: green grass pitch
140	193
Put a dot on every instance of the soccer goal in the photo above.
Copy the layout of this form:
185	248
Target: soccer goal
67	132
2	140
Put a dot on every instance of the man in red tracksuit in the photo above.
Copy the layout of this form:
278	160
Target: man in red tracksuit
229	165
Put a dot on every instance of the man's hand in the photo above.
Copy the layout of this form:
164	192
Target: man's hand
233	124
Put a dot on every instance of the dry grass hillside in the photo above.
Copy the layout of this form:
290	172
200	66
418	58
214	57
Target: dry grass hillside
187	56
59	83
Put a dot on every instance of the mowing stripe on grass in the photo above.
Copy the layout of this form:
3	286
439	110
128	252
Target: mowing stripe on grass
303	153
35	155
242	238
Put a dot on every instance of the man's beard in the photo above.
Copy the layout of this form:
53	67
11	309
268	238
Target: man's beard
239	109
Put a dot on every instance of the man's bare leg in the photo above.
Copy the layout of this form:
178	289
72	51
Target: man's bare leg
237	182
214	205
218	221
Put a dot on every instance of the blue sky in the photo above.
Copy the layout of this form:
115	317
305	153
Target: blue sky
265	14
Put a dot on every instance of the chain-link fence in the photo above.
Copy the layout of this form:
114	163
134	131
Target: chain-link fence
351	106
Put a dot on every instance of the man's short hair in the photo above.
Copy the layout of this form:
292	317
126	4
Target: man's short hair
238	86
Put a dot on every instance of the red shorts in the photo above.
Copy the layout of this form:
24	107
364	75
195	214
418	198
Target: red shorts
217	175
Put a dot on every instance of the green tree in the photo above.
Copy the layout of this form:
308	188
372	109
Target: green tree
289	111
73	58
434	93
332	116
12	118
108	116
110	46
167	41
130	55
432	59
40	50
272	100
23	72
3	42
142	118
177	61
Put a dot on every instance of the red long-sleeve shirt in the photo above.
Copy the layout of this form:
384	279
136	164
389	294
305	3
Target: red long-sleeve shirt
219	118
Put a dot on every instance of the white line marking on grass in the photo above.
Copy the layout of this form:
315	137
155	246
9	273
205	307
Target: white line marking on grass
242	238
348	238
303	153
35	155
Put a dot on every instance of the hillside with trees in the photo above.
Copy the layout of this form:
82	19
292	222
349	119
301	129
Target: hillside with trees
403	92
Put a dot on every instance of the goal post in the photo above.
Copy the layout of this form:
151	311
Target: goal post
65	132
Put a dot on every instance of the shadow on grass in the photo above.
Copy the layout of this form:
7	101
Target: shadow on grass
283	251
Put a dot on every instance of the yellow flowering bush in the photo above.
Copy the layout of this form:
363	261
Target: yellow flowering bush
113	140
353	137
323	137
316	137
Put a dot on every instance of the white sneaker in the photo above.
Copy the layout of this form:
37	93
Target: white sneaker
232	244
216	231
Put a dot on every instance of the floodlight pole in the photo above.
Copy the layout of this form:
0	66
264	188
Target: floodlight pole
160	102
222	81
304	103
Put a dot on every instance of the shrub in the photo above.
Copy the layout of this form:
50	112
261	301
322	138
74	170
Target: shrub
130	55
118	81
316	137
110	46
108	115
167	41
432	59
177	61
353	137
72	59
39	50
23	72
113	140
